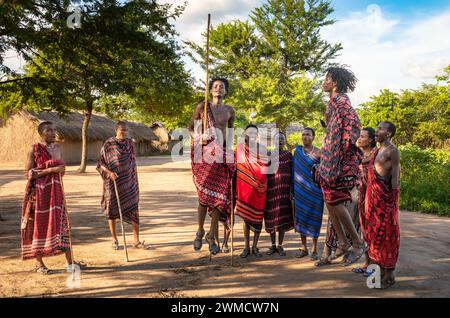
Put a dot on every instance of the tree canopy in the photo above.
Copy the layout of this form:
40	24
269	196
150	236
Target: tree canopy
273	59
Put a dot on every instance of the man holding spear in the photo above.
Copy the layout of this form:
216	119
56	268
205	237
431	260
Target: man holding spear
212	159
212	162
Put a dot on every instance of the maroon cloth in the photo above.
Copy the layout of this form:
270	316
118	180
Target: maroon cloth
119	157
278	212
381	214
212	179
340	156
362	188
334	197
45	229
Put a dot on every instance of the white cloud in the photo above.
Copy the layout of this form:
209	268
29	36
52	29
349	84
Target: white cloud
194	18
390	53
383	52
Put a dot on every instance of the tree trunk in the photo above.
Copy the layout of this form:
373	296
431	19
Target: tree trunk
84	136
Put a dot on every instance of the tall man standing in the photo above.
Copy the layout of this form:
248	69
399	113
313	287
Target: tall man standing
212	161
340	159
381	210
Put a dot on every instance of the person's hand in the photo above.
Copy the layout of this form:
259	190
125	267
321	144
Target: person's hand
34	174
316	175
59	169
113	176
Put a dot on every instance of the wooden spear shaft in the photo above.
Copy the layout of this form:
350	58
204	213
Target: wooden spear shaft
68	225
207	75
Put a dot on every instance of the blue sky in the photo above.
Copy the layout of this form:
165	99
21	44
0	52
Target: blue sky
394	44
389	44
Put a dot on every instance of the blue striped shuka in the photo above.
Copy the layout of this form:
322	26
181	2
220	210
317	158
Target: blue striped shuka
308	197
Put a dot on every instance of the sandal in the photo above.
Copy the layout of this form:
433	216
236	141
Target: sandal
387	284
367	274
353	256
302	253
225	249
342	250
198	242
42	269
272	250
115	245
255	251
142	245
80	264
281	251
314	256
359	270
213	248
245	253
323	262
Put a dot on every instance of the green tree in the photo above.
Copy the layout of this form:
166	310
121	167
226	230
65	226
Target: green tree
273	59
122	49
422	115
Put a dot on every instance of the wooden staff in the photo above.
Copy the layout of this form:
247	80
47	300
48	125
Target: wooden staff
68	225
205	114
121	220
232	224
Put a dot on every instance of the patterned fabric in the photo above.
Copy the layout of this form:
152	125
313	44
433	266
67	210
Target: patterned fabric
340	155
44	217
308	197
352	207
278	212
119	157
334	197
381	214
251	186
212	173
362	188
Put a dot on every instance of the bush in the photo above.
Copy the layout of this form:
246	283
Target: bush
425	176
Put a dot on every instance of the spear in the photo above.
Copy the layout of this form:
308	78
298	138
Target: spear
207	74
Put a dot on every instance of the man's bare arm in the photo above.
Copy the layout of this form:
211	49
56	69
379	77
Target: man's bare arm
395	160
195	116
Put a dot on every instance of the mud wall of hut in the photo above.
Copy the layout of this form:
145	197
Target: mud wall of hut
71	150
16	138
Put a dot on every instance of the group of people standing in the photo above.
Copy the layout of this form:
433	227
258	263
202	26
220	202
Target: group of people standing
274	188
45	225
356	181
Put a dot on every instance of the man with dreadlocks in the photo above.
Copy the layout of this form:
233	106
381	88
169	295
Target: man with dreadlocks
213	164
340	159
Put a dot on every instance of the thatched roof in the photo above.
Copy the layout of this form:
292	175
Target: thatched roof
100	126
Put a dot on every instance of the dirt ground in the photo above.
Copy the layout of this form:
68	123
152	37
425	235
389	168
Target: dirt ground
173	269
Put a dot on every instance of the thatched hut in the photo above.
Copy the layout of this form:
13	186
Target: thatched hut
19	132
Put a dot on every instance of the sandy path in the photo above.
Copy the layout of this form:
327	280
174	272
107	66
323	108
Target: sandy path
172	268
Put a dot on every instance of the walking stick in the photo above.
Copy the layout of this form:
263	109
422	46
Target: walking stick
121	220
232	224
68	225
207	75
205	114
293	211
